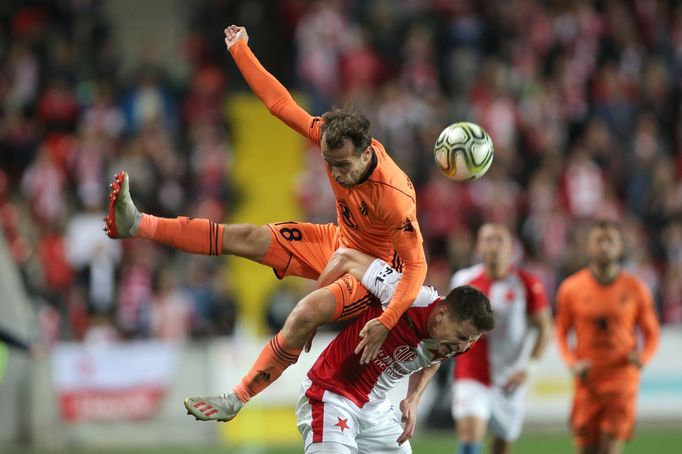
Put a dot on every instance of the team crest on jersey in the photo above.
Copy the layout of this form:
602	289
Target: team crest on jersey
404	354
346	215
406	226
363	208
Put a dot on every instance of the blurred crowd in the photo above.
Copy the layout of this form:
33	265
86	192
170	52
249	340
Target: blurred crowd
583	100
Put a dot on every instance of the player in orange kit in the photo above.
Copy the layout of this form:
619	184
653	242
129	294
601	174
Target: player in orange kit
376	211
604	305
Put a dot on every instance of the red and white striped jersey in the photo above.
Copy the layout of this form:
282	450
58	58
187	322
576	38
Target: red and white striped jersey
500	352
406	350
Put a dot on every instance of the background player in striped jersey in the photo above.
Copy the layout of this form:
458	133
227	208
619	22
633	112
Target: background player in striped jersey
343	406
490	381
604	306
376	208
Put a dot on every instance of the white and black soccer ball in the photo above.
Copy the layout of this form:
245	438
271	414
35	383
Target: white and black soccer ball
463	151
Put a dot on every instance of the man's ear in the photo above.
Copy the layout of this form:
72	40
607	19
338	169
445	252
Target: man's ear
443	311
367	154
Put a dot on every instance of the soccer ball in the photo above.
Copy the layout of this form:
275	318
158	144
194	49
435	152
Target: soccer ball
463	151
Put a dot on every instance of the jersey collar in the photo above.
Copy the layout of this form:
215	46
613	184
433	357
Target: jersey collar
372	165
418	318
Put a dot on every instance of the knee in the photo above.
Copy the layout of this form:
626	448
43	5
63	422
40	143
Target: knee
342	253
313	310
304	316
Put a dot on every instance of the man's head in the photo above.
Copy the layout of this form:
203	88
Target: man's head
494	245
460	319
604	243
346	145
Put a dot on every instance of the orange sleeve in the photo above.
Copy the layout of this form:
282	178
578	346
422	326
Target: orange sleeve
401	220
648	324
564	324
273	94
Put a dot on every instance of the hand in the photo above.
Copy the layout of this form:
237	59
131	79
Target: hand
408	408
309	342
635	359
373	335
233	34
581	368
515	380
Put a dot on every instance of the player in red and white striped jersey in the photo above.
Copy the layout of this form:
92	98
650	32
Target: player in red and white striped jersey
343	406
489	386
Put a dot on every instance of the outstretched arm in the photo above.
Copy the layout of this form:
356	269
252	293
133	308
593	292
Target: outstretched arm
273	94
408	406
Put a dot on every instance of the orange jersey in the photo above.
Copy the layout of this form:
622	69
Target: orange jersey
377	216
604	318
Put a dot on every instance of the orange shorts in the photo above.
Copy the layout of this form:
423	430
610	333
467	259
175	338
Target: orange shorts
604	413
303	249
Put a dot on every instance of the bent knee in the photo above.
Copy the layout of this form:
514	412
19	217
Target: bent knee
314	309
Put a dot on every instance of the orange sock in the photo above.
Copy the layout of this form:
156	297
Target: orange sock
275	357
198	236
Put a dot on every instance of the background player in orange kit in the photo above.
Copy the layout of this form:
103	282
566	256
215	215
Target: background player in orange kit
604	305
376	211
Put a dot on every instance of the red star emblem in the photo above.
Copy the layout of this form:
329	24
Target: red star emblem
510	295
342	424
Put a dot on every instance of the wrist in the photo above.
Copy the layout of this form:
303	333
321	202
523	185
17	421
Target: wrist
381	319
234	46
412	399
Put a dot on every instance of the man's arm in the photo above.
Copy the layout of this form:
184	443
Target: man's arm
542	321
273	94
408	406
563	324
540	318
401	220
648	324
414	273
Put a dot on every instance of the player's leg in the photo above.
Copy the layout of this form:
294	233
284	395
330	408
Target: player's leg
283	350
609	444
617	421
470	433
585	417
471	409
326	421
501	446
379	430
344	261
196	236
506	421
343	299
